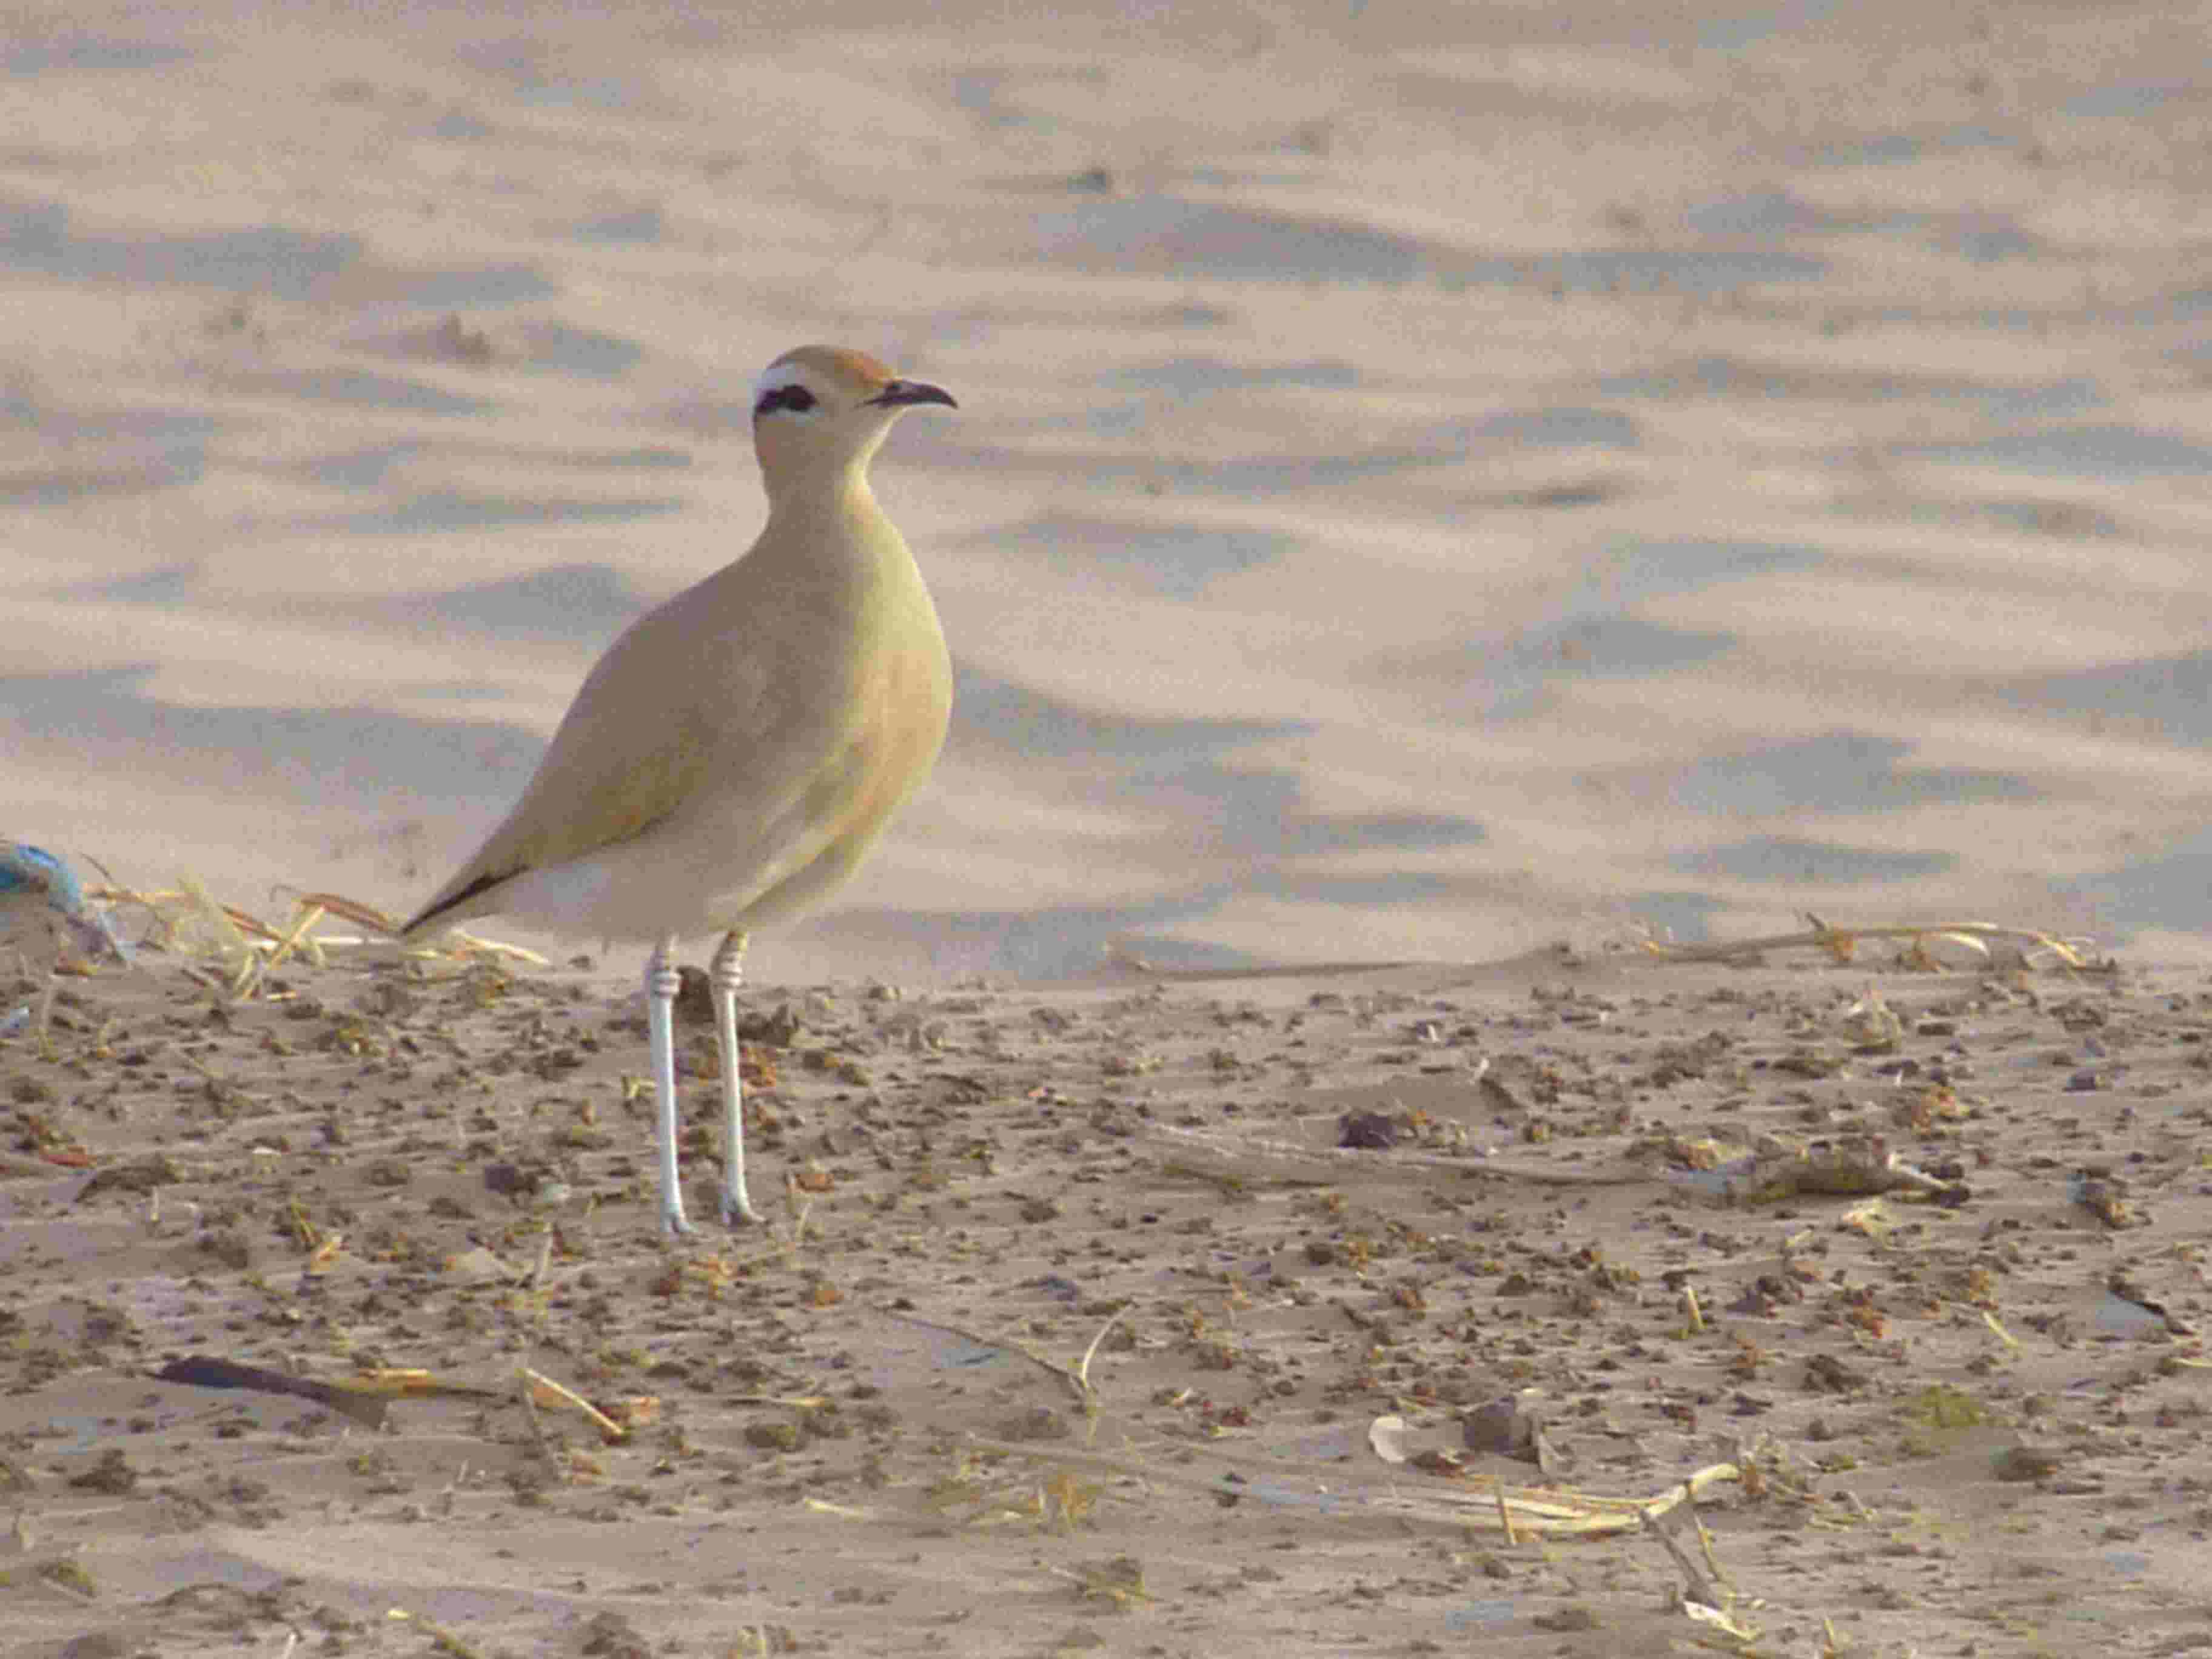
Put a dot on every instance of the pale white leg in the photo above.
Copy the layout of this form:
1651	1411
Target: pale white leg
661	981
724	974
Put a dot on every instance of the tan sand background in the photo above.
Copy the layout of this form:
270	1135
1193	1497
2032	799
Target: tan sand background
1431	481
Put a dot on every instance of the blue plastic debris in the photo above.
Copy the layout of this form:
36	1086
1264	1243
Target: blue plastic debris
45	921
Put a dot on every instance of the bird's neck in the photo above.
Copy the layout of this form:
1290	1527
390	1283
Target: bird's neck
833	497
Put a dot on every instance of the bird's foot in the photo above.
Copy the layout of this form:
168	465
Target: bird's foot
737	1207
675	1225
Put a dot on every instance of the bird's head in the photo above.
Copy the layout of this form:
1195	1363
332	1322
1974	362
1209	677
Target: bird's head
823	409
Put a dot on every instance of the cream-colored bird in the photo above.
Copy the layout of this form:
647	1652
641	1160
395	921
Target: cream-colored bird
735	753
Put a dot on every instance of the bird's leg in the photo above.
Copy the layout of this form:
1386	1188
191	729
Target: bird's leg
724	976
661	981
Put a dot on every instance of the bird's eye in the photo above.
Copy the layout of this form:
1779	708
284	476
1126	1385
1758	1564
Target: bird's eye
796	398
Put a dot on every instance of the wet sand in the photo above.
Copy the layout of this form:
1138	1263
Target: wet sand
1074	1321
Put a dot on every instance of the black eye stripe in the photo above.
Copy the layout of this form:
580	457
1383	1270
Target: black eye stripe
796	398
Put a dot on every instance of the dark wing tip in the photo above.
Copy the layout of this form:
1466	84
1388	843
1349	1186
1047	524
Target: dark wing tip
481	885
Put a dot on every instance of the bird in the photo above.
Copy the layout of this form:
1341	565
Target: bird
46	922
733	756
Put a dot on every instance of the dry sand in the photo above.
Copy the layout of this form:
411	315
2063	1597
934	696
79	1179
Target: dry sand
1431	484
1428	484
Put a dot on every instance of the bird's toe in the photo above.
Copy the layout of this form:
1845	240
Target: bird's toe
737	1210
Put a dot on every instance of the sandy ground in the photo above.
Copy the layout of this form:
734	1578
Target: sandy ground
1072	1319
1432	485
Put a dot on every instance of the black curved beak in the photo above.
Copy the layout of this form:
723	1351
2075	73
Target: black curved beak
900	394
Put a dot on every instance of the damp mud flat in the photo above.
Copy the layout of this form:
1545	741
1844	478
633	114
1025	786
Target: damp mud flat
1077	1326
